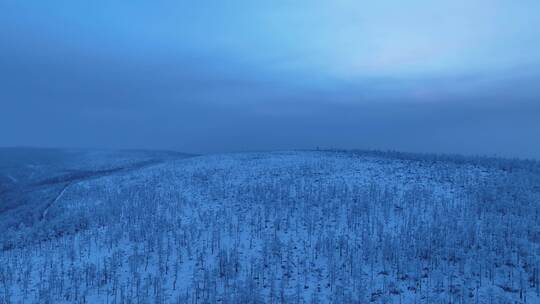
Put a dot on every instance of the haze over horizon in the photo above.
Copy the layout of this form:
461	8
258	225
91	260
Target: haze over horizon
216	76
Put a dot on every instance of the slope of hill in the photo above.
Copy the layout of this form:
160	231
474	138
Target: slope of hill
283	227
31	179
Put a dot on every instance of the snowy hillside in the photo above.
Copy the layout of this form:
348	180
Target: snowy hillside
283	227
30	179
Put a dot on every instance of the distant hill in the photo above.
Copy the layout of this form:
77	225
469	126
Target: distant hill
32	177
279	227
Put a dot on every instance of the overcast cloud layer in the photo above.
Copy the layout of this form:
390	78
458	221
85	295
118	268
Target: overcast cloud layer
219	76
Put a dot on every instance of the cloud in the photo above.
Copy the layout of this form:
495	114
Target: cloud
205	77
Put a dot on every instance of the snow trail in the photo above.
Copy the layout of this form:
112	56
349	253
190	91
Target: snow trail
44	214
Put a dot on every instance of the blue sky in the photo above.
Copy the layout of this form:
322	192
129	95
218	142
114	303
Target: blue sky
214	76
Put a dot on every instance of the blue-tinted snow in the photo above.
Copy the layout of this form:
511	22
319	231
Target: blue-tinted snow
283	227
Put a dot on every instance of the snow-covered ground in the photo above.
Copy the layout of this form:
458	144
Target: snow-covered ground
282	227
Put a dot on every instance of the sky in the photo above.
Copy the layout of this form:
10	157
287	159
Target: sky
212	76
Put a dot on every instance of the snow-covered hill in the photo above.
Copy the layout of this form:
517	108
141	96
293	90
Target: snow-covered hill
283	227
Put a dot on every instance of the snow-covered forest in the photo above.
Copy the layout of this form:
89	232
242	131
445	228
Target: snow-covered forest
282	227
